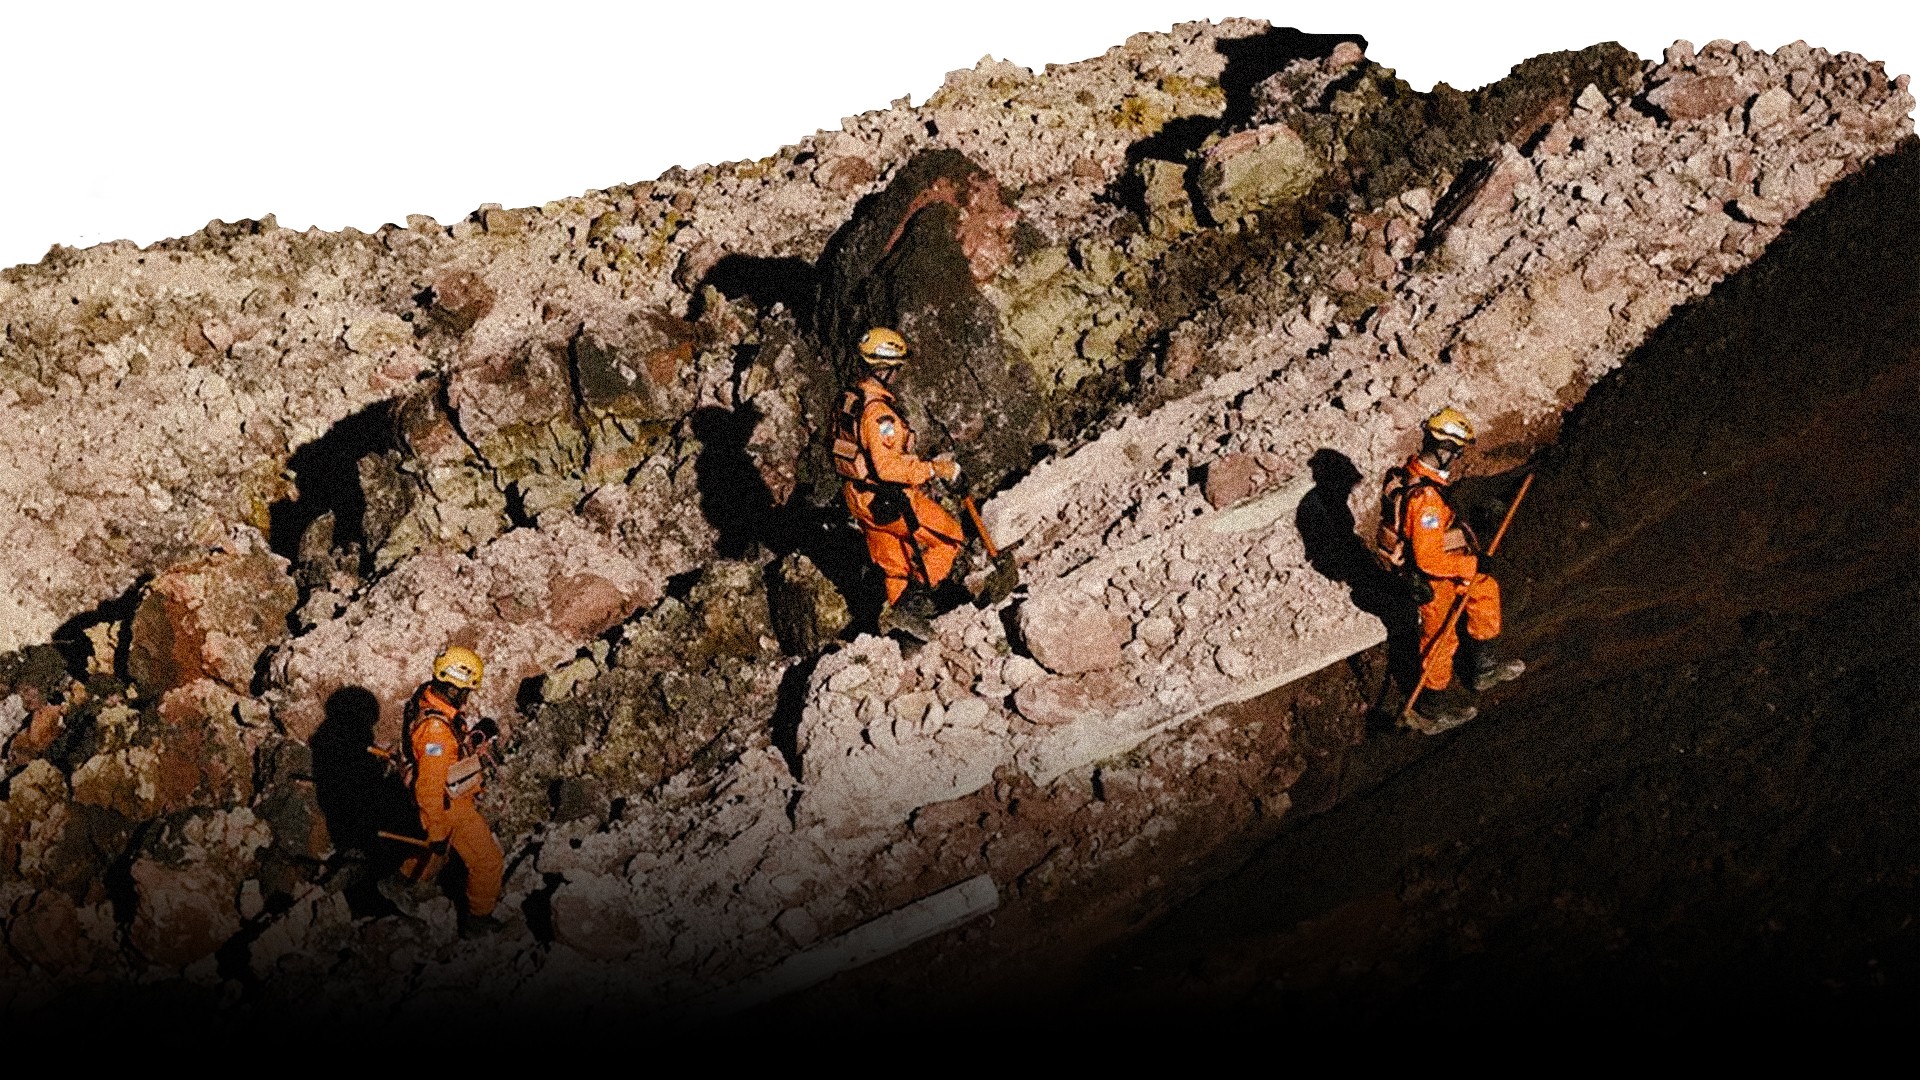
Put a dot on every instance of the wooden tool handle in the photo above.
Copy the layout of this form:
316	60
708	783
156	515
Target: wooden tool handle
1460	601
973	515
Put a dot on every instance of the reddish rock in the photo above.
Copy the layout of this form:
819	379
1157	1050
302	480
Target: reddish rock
211	620
1495	194
43	722
586	604
1231	478
1183	354
844	175
460	299
205	754
1071	632
632	368
1688	96
985	222
51	932
182	917
187	884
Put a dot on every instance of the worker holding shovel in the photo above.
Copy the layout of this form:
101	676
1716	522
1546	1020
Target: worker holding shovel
1437	554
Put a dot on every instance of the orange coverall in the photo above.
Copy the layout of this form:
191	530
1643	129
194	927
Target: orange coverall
888	444
1440	552
436	744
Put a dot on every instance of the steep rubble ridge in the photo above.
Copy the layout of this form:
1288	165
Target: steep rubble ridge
1554	266
532	404
1150	605
1550	270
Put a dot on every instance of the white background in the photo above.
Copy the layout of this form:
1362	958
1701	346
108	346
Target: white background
144	121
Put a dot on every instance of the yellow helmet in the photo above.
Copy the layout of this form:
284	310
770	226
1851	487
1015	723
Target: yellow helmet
881	347
1450	425
459	666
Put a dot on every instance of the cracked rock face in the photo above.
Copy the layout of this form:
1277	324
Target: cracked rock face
1156	298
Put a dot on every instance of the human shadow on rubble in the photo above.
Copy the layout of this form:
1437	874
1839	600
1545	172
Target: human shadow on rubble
1253	59
1338	553
1249	62
737	502
358	796
764	282
327	477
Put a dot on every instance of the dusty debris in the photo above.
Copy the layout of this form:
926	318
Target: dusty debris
585	439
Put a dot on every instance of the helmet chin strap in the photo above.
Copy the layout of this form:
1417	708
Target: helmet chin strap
1444	454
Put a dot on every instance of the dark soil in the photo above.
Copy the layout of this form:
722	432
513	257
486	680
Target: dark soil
1700	800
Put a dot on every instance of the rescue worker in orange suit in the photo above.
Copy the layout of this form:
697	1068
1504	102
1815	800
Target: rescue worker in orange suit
443	751
910	537
1423	538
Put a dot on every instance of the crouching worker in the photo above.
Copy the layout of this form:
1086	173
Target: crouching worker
1423	539
910	537
443	751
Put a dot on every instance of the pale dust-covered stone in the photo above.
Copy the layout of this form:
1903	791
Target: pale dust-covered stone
1071	632
1770	107
1691	96
1231	478
1059	701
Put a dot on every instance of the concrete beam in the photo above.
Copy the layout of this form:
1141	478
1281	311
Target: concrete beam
888	934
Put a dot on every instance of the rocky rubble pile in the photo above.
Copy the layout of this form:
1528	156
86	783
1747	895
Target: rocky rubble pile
585	439
1153	599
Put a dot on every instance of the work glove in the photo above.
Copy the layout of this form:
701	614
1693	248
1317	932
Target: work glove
484	730
946	468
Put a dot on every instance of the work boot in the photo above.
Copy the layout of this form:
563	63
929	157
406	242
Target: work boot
480	926
1441	710
1000	582
407	894
901	618
1489	672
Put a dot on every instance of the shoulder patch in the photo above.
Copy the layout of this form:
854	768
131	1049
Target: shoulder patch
1430	520
434	749
886	426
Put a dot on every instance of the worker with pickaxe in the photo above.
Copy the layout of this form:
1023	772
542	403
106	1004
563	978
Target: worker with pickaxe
1438	556
442	750
910	537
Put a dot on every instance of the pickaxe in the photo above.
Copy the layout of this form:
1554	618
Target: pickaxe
1459	604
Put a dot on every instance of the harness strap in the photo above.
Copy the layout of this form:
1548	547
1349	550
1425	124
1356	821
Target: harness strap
1403	495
